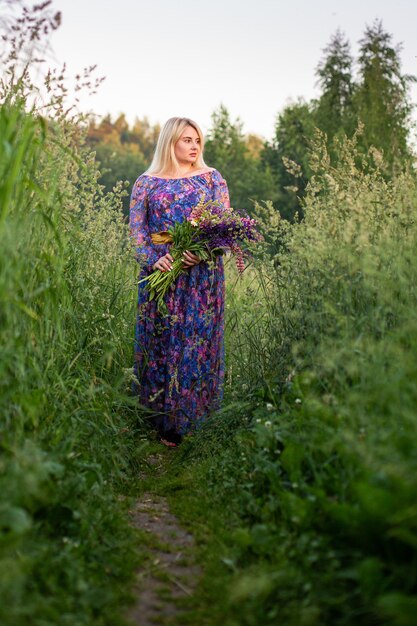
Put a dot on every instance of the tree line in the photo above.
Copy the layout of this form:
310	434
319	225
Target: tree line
368	95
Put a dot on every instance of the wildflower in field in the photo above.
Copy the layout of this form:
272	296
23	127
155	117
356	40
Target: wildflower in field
210	230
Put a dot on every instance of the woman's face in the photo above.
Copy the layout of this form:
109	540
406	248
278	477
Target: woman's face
187	149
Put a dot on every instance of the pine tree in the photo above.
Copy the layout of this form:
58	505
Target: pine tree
382	99
333	112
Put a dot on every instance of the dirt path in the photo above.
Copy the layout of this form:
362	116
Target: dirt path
169	573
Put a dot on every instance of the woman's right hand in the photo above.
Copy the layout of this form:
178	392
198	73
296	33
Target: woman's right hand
164	263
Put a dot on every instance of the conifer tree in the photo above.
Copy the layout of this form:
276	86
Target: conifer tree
333	112
382	99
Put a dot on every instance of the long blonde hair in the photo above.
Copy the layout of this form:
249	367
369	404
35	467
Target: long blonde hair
164	159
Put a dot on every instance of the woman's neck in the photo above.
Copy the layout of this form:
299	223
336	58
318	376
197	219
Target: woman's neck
183	170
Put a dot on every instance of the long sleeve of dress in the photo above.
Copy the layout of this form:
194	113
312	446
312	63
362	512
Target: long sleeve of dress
220	189
146	252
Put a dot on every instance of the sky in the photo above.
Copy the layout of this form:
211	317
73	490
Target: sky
165	58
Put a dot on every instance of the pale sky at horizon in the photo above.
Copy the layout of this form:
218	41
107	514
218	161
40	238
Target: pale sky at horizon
163	58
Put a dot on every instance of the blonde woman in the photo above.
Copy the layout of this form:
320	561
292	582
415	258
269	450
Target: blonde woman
179	359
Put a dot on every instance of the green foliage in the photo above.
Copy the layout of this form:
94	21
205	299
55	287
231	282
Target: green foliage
227	150
123	152
378	99
287	156
382	98
334	113
118	164
67	304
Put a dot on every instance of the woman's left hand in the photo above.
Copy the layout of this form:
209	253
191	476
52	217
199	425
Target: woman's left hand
190	259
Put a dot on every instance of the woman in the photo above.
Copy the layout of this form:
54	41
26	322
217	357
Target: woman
179	359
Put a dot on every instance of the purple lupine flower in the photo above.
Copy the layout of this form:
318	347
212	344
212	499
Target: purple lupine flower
208	229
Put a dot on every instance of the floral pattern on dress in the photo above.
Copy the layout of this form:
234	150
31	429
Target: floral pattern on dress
179	359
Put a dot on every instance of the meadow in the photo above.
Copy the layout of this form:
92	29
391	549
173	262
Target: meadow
305	480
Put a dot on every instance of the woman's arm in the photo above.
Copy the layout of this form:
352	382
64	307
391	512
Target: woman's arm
147	254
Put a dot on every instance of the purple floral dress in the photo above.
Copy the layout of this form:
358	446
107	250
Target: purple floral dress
179	359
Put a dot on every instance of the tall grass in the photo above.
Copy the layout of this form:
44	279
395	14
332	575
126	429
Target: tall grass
67	307
323	338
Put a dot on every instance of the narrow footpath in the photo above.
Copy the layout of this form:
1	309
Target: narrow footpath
168	573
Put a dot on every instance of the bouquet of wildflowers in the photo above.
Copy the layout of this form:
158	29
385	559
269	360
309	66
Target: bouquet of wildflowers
211	229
